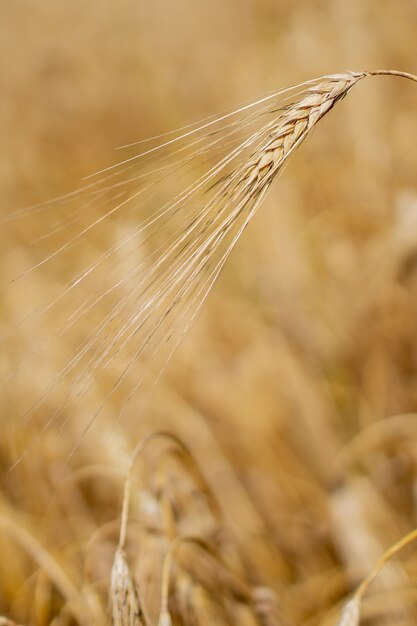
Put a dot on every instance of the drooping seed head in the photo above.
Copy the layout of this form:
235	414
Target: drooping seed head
293	126
124	598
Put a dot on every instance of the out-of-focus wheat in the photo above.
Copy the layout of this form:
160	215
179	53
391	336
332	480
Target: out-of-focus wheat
127	306
124	598
202	577
350	613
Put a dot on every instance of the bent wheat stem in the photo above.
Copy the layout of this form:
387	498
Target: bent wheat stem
392	73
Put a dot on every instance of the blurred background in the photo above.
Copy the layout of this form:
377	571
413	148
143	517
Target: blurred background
295	389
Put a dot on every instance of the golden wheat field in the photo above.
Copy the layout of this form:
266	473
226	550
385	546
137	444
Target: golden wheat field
208	304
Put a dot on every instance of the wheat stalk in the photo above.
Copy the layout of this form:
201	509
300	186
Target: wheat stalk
351	612
74	599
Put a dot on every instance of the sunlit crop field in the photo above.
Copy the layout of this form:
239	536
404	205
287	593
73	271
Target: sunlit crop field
257	415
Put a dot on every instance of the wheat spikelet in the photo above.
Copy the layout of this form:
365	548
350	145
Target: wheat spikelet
268	607
124	599
165	619
292	128
350	613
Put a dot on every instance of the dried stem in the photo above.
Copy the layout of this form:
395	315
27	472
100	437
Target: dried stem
392	73
411	536
190	462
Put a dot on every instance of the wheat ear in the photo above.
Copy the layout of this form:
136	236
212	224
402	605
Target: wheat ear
296	122
157	301
125	605
232	202
292	128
